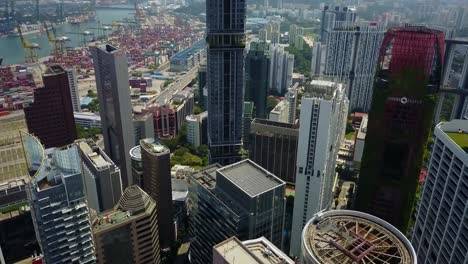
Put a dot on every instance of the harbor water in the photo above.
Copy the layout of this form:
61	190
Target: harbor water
12	52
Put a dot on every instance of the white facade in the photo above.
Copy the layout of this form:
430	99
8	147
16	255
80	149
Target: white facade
360	140
281	69
291	97
193	130
281	112
73	85
87	119
440	233
324	110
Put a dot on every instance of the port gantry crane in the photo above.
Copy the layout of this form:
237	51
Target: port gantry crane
102	31
59	43
30	48
84	36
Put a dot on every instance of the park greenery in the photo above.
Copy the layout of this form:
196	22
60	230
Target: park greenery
302	59
83	132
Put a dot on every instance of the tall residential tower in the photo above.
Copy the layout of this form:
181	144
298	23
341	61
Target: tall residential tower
225	26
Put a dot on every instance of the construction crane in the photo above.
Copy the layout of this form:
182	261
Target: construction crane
58	43
84	36
30	48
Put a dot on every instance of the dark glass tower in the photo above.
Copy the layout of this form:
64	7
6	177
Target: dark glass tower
257	67
225	25
400	119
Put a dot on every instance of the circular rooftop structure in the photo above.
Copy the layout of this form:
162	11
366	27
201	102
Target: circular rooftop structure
135	153
343	236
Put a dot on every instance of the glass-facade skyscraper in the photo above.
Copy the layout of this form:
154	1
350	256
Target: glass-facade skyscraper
400	119
58	203
225	26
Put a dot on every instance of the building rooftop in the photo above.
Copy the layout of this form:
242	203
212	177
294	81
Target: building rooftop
321	88
87	116
207	176
98	160
460	138
154	146
457	131
184	54
362	131
255	251
281	106
134	201
135	153
250	177
342	236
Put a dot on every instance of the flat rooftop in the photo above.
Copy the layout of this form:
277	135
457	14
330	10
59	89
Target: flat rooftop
153	145
250	177
321	88
460	138
255	251
184	54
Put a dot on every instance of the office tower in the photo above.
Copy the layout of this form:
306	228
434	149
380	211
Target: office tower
247	119
291	97
225	28
143	126
111	70
156	160
242	200
273	145
440	232
57	199
202	95
351	57
257	68
129	232
324	110
73	85
254	251
332	15
460	18
344	236
400	119
263	35
101	176
50	116
281	69
137	166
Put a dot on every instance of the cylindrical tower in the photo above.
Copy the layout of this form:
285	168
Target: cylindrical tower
343	236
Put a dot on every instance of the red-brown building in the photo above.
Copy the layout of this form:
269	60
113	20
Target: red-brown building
50	116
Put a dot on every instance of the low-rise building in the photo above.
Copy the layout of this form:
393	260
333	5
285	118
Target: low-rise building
87	119
188	58
281	112
254	251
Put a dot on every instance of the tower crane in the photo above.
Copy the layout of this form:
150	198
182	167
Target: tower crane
30	48
58	43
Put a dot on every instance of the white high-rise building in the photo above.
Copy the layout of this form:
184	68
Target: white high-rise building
111	69
73	85
193	130
281	69
324	109
351	57
440	232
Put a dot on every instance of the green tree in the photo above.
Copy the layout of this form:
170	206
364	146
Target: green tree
93	106
272	102
91	94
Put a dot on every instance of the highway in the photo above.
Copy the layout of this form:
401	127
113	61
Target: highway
175	87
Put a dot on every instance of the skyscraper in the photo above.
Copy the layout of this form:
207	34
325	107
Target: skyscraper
281	69
273	145
58	205
332	15
129	232
400	119
242	200
344	236
73	85
101	176
324	110
257	68
440	232
111	70
156	162
50	116
351	57
225	26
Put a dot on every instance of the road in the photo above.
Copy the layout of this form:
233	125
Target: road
175	87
